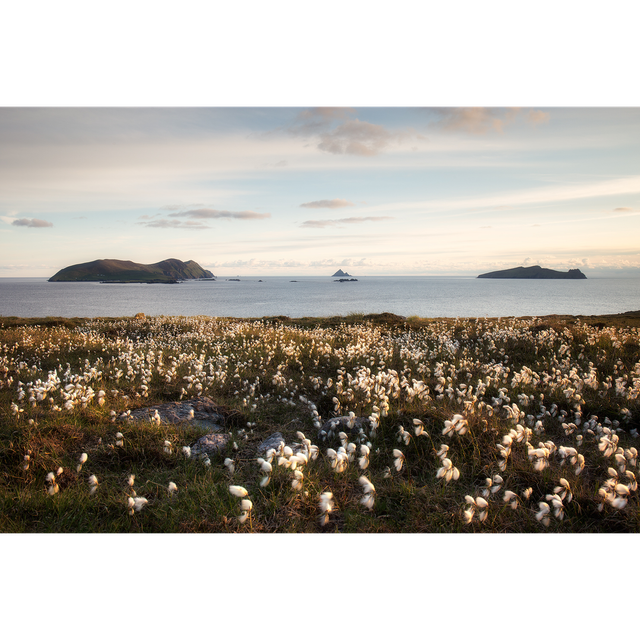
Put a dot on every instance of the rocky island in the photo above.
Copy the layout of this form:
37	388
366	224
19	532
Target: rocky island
124	271
341	274
536	273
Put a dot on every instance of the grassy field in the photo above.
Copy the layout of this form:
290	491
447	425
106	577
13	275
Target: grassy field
466	425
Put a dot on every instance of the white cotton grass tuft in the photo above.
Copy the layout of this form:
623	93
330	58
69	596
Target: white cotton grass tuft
457	424
83	458
447	471
245	504
564	490
266	468
238	491
493	485
363	460
186	452
403	436
478	507
231	467
245	509
326	507
172	488
399	459
511	499
297	480
93	483
542	514
369	491
53	486
419	427
136	504
168	447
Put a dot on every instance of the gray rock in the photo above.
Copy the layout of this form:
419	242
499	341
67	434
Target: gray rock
203	413
272	442
210	444
200	412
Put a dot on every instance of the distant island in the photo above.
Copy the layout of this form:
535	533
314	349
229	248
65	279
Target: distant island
341	274
536	273
124	271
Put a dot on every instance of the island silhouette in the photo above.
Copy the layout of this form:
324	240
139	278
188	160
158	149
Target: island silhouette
536	273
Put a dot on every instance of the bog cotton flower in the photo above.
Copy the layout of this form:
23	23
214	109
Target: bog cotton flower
419	427
136	504
238	491
83	458
93	483
511	498
447	471
399	459
326	506
369	492
543	513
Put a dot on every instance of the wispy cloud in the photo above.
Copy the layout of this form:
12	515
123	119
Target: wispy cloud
319	224
174	224
336	203
196	218
480	120
210	214
179	207
624	209
31	222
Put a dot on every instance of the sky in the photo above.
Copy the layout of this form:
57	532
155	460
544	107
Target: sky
308	190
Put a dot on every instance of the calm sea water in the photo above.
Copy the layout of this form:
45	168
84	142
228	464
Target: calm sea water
423	296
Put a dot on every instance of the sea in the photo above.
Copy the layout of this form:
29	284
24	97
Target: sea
319	296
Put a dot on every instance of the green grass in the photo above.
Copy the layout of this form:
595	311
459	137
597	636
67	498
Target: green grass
587	367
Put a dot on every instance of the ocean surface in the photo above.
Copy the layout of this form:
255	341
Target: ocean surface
424	296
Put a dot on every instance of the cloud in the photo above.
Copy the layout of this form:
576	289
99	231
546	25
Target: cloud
585	263
336	132
196	218
31	222
480	120
356	137
174	224
623	209
535	116
177	207
336	203
314	121
472	119
319	224
209	214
